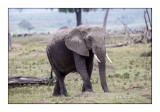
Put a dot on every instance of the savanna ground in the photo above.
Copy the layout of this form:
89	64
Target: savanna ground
129	77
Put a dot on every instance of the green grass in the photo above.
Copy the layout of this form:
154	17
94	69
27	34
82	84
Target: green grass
128	78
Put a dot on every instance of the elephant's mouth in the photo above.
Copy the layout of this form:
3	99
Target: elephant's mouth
100	54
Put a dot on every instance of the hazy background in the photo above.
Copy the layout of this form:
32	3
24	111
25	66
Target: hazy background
47	20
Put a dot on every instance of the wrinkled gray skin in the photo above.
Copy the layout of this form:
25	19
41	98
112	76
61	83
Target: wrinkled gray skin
72	50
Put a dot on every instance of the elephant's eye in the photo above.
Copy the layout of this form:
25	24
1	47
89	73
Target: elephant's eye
90	38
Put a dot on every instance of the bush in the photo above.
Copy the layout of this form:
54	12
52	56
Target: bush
49	80
126	75
117	75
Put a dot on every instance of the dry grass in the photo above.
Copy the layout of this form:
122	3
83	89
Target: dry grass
129	77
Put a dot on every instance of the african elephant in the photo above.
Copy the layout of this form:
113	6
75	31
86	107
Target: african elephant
72	50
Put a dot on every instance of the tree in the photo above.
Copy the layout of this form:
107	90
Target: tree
105	19
26	25
147	30
78	12
149	18
9	41
73	10
9	37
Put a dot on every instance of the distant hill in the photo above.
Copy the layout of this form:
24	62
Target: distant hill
45	20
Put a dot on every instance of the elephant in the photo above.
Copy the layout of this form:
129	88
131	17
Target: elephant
73	50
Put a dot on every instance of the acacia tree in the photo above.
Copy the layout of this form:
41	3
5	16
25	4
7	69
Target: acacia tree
73	10
78	12
26	25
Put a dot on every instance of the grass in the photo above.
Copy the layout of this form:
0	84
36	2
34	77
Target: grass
128	78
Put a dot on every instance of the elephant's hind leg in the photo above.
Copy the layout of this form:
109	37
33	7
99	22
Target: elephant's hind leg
63	89
60	88
57	90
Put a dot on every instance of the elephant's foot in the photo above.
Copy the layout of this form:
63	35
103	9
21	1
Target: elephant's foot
56	93
83	88
88	90
106	90
64	93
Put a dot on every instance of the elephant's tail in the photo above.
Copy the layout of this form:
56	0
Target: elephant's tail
49	57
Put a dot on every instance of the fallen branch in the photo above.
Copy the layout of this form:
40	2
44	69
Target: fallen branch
133	41
117	45
21	80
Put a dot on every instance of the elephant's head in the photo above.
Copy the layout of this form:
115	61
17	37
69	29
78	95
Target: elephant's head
84	38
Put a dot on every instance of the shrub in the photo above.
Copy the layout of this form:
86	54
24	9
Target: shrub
126	75
49	80
117	75
137	74
131	62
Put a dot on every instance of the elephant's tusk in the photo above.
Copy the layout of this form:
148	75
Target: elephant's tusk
97	58
108	58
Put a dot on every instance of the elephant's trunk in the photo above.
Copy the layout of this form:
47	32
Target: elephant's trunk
102	73
100	55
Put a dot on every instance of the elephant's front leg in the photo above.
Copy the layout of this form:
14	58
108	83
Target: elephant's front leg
89	65
82	70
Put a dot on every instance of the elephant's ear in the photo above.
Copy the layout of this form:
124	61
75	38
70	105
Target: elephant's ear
75	42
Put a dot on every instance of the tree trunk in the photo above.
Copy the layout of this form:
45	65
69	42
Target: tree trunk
145	20
9	41
147	31
105	19
149	18
21	80
9	37
126	28
78	16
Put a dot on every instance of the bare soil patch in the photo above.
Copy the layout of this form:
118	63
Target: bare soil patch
133	46
17	46
36	52
134	88
146	54
148	96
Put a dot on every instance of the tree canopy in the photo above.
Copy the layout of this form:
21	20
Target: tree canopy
25	25
77	11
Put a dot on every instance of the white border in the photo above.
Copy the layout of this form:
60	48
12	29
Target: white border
82	4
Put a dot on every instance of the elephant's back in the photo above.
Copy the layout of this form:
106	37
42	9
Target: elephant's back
58	51
56	40
59	35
